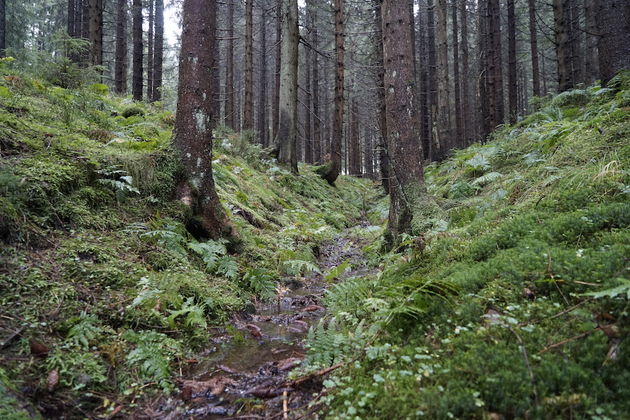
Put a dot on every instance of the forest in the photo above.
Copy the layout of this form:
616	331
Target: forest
301	209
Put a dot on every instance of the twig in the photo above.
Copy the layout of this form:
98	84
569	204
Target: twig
12	337
527	364
568	340
285	405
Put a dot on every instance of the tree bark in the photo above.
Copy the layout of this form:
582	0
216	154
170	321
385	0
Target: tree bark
433	83
423	77
287	126
317	126
384	165
230	112
512	74
96	32
248	106
156	94
495	71
613	21
407	184
459	123
263	126
354	147
3	28
150	49
276	96
466	94
591	66
193	127
443	115
334	166
563	44
120	72
533	39
72	17
308	99
137	82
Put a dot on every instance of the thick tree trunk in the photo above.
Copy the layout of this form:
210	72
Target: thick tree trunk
466	94
308	100
512	74
193	127
120	72
248	106
276	96
3	28
137	82
613	22
156	94
334	166
443	115
495	71
317	126
433	83
96	32
577	48
459	122
384	165
407	186
263	126
533	38
230	111
72	17
423	77
562	27
150	51
591	66
287	126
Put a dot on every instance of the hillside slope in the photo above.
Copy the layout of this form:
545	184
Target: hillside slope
104	294
515	305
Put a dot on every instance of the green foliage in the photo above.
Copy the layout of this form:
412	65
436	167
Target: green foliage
299	267
261	282
150	360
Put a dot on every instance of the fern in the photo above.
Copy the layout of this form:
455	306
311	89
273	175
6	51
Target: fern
194	315
337	271
487	178
261	282
85	332
227	267
622	290
209	251
152	357
299	267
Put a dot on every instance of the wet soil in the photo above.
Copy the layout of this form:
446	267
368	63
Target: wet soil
245	374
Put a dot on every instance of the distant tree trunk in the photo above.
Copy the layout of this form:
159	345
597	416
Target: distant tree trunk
263	127
443	116
230	111
613	22
334	167
354	147
150	49
96	31
193	126
407	185
317	126
120	72
433	83
485	120
308	99
459	122
591	67
156	94
533	37
466	94
577	49
384	165
287	127
495	71
3	30
512	74
85	21
72	17
137	82
276	96
562	27
248	106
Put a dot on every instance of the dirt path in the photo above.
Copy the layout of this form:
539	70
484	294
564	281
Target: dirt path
244	373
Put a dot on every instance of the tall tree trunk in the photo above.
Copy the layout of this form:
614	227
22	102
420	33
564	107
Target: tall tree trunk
512	75
466	94
368	155
150	50
334	166
613	22
384	165
85	21
96	31
230	111
423	77
193	126
308	99
263	126
137	82
248	109
276	96
433	83
120	72
407	185
577	49
484	69
317	126
591	67
495	82
459	122
354	147
72	17
3	28
562	29
533	38
443	116
287	126
156	94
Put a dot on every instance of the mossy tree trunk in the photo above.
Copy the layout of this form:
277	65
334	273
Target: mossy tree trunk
194	119
407	181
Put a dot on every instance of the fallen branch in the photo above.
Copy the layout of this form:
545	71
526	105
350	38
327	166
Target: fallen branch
568	340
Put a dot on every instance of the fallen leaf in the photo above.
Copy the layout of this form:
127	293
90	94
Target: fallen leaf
290	363
38	349
53	380
313	308
254	330
216	386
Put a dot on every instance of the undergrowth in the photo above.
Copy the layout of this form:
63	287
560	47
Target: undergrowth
516	304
